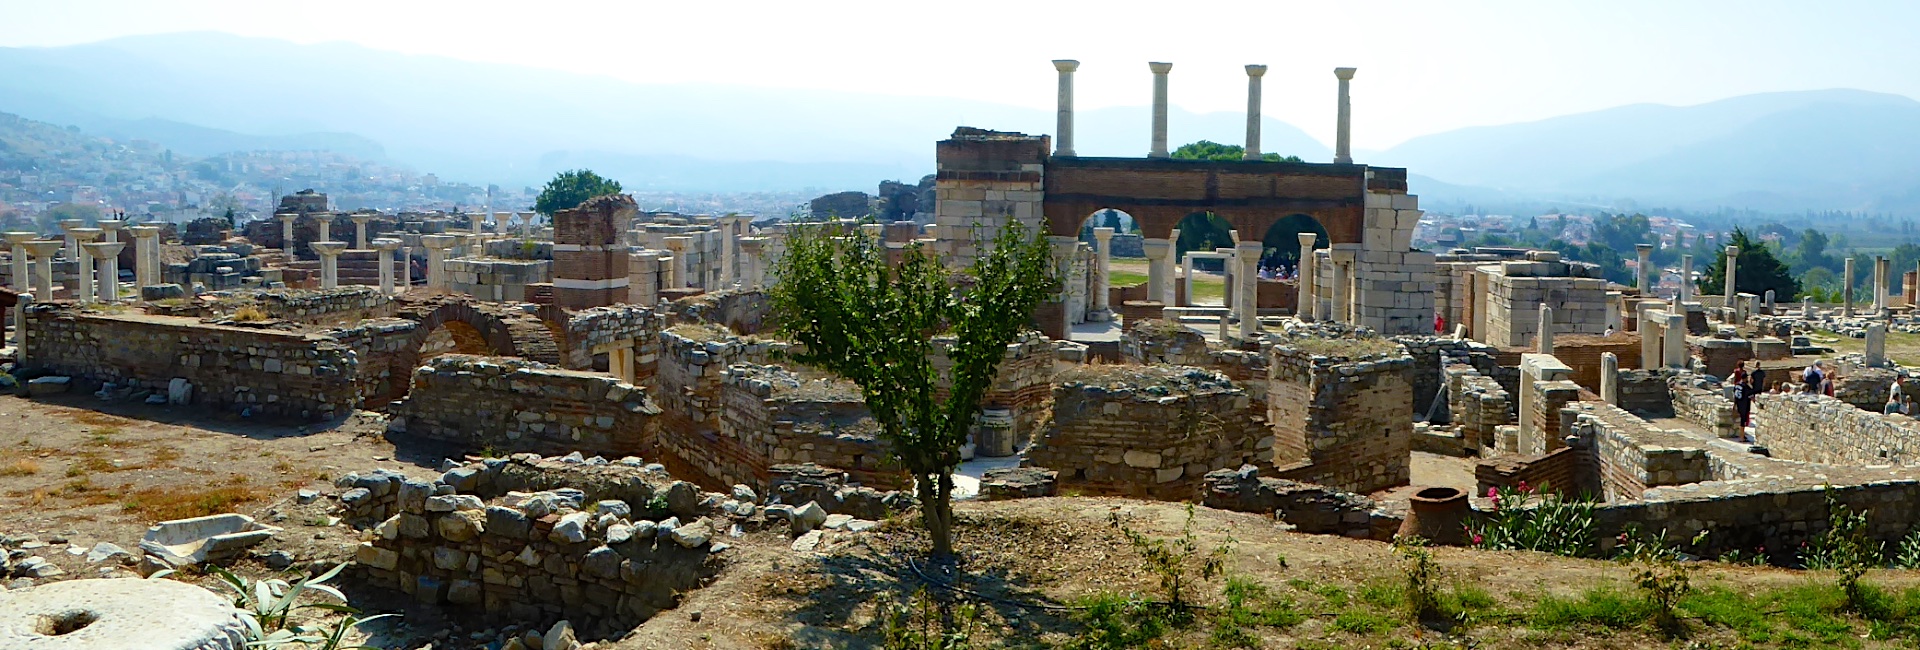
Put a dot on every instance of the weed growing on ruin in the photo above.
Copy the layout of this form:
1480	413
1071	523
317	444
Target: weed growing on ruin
921	623
1907	556
1114	622
1422	588
329	637
1660	573
1524	519
1173	562
1737	557
248	314
1844	549
22	467
268	603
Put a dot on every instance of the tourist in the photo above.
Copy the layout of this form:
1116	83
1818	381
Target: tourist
1906	406
1439	324
1759	375
1813	378
1742	393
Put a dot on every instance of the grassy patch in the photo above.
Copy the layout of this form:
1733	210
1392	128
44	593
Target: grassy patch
1363	621
158	504
22	467
1600	608
1118	278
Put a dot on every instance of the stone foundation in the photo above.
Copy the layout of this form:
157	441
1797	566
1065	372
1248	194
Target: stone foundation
1148	431
1341	409
512	404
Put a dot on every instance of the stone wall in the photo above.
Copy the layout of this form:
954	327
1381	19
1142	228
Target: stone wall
265	371
517	405
1646	391
1477	405
1515	293
496	280
343	305
771	416
1821	429
1161	341
603	563
1148	431
1582	354
589	257
1342	411
588	331
1632	455
692	365
1308	508
1566	471
1701	402
384	347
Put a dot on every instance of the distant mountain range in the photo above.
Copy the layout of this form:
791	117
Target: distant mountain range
201	93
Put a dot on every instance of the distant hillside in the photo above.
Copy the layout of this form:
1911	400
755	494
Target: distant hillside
1829	149
509	124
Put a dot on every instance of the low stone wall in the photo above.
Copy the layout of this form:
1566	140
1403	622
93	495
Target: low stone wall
1581	352
770	416
1633	455
1646	391
1148	431
496	280
1566	471
1341	407
691	365
517	405
316	306
381	345
603	564
1309	508
1821	429
1161	341
741	312
1749	514
265	371
1703	403
588	330
1477	405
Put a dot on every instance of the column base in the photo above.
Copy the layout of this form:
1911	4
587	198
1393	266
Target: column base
1100	316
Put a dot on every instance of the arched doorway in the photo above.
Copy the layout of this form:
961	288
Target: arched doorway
1281	256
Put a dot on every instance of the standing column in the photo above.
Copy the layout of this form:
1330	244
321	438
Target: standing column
1673	341
678	245
1543	339
406	269
1343	135
107	261
1173	265
325	221
526	224
386	247
17	246
146	255
43	251
110	230
286	231
1186	285
1642	273
1157	281
360	230
1733	267
1880	273
1254	72
1303	277
1160	71
750	249
73	246
83	275
20	306
1063	120
437	246
1806	306
329	252
1686	280
75	254
1846	290
1342	259
1610	378
1248	254
1769	302
1103	261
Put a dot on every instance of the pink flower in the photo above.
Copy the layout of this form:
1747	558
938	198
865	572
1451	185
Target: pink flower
1478	540
1524	489
1493	493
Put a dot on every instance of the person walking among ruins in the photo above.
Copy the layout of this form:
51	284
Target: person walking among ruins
1742	394
1813	378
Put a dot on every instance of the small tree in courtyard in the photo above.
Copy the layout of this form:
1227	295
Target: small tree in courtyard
1758	271
874	323
569	189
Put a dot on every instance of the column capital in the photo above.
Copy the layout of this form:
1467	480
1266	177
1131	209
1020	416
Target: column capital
1160	67
1256	70
1643	249
437	242
1733	251
85	234
360	218
286	216
1066	65
386	244
1254	246
1345	74
1307	239
43	247
70	224
19	236
328	248
1102	233
1156	247
111	225
104	250
143	232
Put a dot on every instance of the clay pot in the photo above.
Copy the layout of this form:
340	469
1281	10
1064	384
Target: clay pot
1437	514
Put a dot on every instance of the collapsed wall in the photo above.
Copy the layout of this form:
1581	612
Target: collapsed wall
512	404
1342	408
1148	431
772	416
1821	429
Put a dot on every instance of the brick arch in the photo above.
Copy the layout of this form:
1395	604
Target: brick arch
1251	195
477	328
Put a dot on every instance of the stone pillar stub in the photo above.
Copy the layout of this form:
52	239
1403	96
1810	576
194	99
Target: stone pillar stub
329	252
1642	275
1610	378
1543	339
1303	277
83	286
1846	289
1103	263
360	230
437	246
43	252
106	256
1876	353
1247	255
386	248
1733	269
21	276
1686	279
1159	148
1157	280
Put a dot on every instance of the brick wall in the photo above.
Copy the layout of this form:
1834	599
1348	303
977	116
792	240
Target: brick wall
1582	354
1148	431
1348	419
517	405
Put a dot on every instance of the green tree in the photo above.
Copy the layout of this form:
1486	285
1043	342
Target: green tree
1210	150
569	189
1758	272
874	323
1811	253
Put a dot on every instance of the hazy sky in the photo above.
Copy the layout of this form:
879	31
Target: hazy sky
1424	66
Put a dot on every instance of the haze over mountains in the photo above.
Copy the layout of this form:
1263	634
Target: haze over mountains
202	93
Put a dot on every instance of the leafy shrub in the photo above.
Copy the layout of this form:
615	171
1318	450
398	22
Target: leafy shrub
923	624
1844	549
1527	520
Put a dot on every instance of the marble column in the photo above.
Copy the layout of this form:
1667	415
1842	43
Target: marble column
479	221
751	248
1247	253
1342	260
406	269
325	221
17	247
1173	264
110	229
386	248
1160	71
1343	133
1880	273
1157	280
526	224
1185	285
1876	352
1733	268
1769	303
360	230
437	246
1846	289
1063	119
106	256
1610	378
1673	342
680	269
146	255
1643	273
43	251
20	306
329	252
83	288
1686	279
1543	337
67	226
1103	264
1254	73
286	231
1303	276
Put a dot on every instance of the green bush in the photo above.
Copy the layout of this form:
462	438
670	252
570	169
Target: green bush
1526	520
